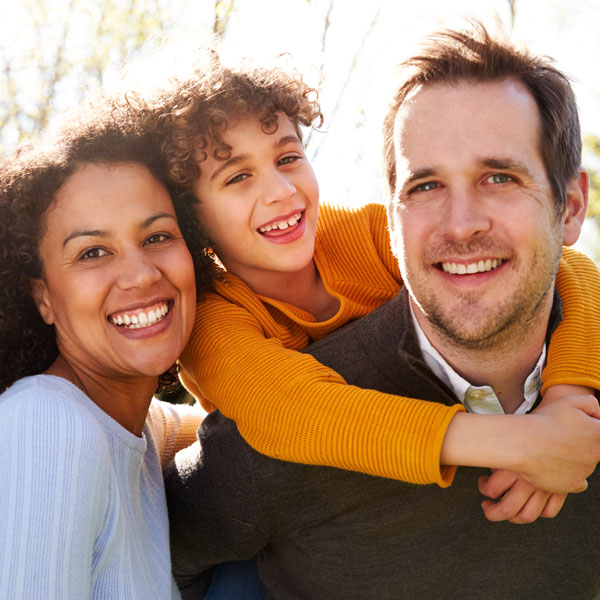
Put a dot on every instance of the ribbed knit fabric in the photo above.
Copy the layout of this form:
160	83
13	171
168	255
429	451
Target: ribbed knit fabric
82	504
241	359
574	352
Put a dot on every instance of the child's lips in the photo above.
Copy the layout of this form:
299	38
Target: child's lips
281	224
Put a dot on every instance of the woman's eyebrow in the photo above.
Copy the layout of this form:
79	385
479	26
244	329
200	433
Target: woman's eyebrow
156	217
84	233
104	234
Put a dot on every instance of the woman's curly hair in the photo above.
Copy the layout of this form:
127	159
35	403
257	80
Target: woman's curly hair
29	182
192	113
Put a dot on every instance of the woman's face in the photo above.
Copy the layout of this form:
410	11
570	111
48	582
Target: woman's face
118	279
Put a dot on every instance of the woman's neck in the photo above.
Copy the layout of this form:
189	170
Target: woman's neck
125	400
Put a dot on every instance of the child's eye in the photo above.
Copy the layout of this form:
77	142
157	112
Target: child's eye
499	178
286	160
93	253
237	178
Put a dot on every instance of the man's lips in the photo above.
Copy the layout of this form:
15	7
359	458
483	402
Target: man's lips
471	268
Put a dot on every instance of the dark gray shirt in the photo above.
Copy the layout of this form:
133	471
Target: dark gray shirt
324	534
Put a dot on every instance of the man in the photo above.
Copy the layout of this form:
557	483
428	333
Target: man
485	189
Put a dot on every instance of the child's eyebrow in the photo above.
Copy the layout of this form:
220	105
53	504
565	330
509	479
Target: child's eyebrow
228	163
288	139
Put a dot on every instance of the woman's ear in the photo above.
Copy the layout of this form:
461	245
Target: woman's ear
39	293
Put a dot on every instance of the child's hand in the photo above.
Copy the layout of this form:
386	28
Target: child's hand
520	502
560	392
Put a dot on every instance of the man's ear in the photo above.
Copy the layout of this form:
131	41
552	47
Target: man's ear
577	202
39	294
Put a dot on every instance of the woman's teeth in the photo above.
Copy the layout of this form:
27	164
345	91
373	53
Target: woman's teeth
138	320
281	224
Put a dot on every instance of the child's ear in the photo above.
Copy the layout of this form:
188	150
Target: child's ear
39	294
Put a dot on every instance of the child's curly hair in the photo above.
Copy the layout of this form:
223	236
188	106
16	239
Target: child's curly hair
194	112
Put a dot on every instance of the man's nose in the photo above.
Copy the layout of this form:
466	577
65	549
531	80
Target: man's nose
464	215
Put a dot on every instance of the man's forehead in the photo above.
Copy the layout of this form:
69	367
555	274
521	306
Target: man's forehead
444	120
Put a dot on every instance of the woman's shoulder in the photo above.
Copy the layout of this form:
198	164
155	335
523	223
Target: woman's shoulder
45	404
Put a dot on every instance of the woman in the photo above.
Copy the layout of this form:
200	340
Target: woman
98	303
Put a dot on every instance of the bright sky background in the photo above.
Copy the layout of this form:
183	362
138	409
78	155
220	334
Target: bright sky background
364	42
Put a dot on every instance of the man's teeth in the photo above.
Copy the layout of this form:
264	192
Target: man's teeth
141	319
281	224
477	267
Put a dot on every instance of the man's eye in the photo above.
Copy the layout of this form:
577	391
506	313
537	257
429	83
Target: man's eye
499	178
92	253
426	187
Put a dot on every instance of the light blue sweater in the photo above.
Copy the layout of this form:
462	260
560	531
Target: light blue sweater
82	502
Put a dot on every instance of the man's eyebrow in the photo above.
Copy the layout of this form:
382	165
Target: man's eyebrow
420	174
505	164
104	234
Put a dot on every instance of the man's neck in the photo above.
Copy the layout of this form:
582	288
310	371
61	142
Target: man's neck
504	364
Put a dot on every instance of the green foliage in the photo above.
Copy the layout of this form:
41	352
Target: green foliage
592	154
57	51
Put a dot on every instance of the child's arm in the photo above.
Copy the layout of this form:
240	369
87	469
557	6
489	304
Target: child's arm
573	354
570	360
289	406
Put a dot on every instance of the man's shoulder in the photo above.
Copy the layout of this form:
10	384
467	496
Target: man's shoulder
366	346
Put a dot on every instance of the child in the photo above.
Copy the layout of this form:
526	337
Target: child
233	140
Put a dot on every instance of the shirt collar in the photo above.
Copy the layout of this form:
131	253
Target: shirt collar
476	399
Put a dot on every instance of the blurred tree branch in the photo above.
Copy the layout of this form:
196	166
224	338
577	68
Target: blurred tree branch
61	49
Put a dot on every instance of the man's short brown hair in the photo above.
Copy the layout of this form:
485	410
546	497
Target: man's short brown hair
474	55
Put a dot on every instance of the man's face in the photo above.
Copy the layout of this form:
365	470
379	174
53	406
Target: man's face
473	222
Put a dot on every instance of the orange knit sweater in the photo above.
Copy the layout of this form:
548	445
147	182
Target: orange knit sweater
242	358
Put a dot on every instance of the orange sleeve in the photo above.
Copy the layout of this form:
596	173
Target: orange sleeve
289	406
574	351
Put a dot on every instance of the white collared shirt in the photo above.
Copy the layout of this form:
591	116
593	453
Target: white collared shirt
477	399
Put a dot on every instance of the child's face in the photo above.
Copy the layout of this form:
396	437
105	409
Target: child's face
260	207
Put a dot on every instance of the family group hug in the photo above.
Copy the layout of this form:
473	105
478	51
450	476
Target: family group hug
394	401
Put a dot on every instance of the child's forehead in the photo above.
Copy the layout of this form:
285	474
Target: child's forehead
235	126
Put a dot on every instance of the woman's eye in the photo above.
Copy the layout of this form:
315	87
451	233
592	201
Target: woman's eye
93	253
156	238
499	178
